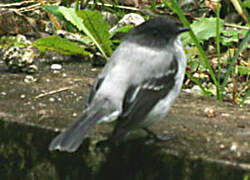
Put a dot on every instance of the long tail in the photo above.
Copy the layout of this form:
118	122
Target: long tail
71	139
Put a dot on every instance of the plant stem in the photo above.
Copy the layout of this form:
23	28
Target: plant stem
218	90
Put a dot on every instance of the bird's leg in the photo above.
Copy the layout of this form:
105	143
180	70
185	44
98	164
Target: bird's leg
157	137
118	135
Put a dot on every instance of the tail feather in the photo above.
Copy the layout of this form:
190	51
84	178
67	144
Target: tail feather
71	139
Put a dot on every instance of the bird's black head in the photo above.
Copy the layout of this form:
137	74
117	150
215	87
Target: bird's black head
155	32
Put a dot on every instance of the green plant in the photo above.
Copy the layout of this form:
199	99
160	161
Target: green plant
204	29
173	5
232	64
246	177
60	45
91	23
201	26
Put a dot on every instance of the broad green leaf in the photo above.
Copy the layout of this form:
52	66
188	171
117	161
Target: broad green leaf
204	29
91	23
58	44
65	13
96	28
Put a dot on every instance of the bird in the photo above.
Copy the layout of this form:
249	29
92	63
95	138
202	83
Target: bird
136	87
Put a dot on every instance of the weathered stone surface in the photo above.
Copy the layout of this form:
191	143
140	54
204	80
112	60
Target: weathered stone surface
207	146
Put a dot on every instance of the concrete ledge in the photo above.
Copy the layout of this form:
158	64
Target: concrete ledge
209	145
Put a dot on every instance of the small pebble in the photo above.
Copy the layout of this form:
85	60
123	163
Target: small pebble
209	112
238	154
52	99
219	133
56	67
234	147
222	146
225	114
29	79
187	91
196	75
3	93
231	85
56	72
22	96
79	98
196	90
64	75
32	68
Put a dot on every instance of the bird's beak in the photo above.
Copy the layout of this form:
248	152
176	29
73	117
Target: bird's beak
183	29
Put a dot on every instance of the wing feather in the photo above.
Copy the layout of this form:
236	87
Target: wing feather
141	98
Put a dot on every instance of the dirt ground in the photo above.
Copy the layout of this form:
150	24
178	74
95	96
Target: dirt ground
205	128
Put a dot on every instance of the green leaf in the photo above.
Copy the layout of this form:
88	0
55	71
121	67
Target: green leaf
243	70
96	28
60	45
246	4
204	29
55	10
123	29
92	23
65	13
231	36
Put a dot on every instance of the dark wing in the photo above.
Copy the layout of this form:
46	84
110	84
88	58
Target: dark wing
94	89
140	99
